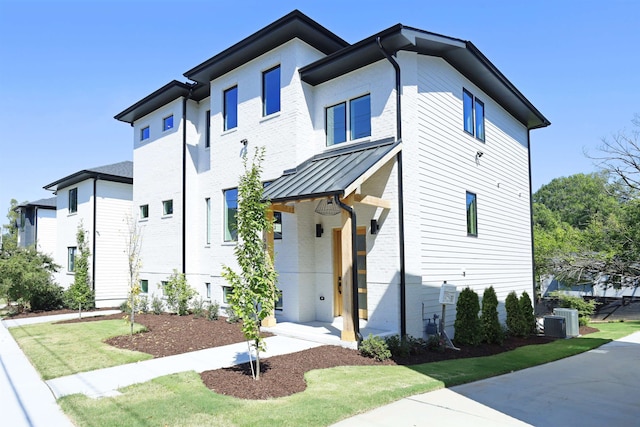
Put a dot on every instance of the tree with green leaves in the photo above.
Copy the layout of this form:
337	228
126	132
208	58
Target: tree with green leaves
134	242
467	324
254	287
80	294
491	328
178	293
9	238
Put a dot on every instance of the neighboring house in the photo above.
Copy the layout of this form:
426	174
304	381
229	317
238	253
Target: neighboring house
37	225
98	199
416	137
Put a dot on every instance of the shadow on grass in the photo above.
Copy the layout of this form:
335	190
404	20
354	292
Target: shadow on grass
462	371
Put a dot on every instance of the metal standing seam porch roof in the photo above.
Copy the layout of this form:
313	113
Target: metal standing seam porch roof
331	173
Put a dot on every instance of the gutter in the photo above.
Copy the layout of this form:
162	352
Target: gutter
354	267
93	240
533	259
403	279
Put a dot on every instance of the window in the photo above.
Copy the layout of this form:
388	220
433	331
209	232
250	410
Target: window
207	203
472	215
336	124
359	124
473	112
167	207
71	259
207	131
278	305
167	123
271	91
208	287
73	200
277	225
226	291
231	108
360	117
144	133
163	286
230	211
144	211
23	219
144	286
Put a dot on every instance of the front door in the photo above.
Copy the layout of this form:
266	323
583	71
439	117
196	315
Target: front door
361	249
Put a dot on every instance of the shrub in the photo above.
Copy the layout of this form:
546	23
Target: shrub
197	307
124	307
491	328
375	347
143	304
157	306
514	314
232	316
179	294
435	343
585	308
526	311
397	346
212	310
467	323
70	299
46	296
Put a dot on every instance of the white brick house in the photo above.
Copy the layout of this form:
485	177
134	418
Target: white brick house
99	199
416	134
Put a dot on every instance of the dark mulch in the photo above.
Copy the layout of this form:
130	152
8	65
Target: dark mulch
169	334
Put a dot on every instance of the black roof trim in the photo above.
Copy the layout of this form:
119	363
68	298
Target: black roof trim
460	54
293	25
116	172
49	203
167	93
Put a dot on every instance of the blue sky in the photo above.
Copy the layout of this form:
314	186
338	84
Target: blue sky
67	67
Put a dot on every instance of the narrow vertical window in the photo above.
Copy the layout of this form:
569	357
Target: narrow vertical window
208	288
207	130
467	107
277	225
336	120
472	214
479	115
167	123
230	212
167	207
144	133
73	200
144	286
207	203
230	109
163	286
226	291
271	91
144	211
360	117
71	259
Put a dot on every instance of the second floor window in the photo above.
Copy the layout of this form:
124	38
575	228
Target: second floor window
73	200
230	108
207	130
167	123
144	211
358	126
473	114
167	207
230	212
271	91
144	133
71	259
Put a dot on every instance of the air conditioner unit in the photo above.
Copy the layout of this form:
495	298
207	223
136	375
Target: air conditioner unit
571	316
555	327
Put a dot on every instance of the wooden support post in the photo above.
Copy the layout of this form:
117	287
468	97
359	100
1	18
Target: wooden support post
271	319
348	330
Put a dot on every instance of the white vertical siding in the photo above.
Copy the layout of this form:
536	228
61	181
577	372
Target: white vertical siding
47	231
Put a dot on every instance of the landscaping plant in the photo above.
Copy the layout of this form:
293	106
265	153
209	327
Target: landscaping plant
375	347
514	314
467	323
528	317
80	294
585	308
491	328
178	293
254	287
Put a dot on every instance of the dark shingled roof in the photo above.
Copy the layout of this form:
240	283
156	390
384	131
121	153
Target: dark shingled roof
329	173
49	203
116	172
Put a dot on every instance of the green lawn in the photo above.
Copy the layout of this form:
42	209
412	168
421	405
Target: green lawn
57	350
331	395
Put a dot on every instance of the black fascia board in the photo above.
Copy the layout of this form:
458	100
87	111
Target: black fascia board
167	93
293	25
83	175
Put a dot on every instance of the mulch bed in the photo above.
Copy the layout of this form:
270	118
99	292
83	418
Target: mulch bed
283	375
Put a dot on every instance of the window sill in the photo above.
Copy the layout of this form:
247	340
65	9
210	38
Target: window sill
270	116
229	131
354	142
145	219
166	216
229	243
72	213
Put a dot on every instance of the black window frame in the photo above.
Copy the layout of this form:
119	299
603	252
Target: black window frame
207	137
225	108
73	200
476	127
144	211
230	235
71	258
145	135
265	93
471	214
167	207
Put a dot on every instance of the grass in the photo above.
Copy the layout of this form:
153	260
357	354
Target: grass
331	395
57	350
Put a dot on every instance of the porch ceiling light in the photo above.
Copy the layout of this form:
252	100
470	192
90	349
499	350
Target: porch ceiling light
327	207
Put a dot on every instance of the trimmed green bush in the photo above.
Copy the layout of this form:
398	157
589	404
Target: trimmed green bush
375	347
514	314
491	328
397	346
197	308
212	310
526	311
585	308
46	296
467	323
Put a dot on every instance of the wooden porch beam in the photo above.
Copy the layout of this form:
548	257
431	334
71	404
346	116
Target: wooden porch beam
372	201
279	207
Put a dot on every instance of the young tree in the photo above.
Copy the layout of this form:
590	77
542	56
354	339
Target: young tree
134	241
79	293
9	238
254	291
179	294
